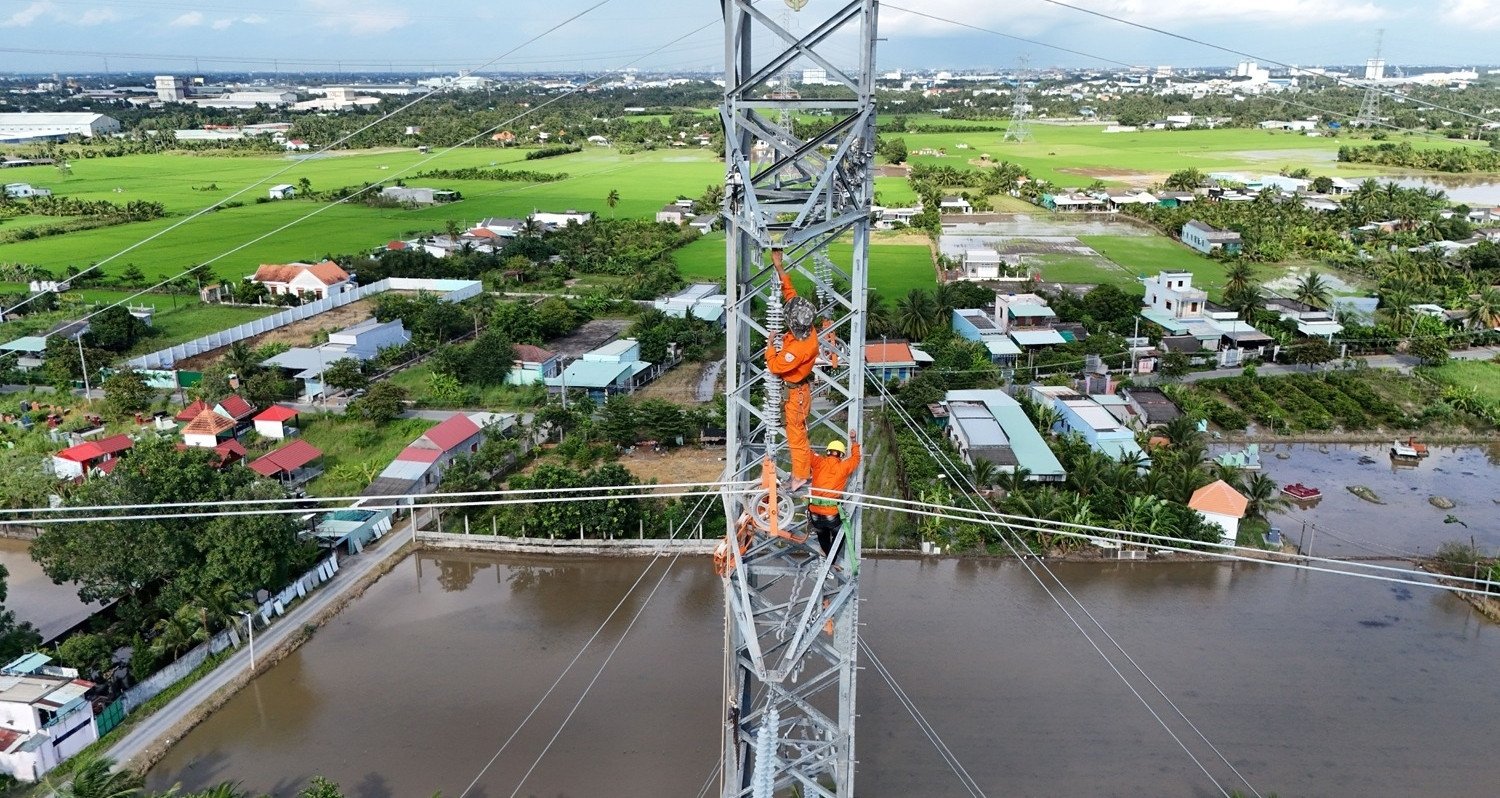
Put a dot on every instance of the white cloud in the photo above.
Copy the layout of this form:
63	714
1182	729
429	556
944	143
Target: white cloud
224	23
191	19
221	24
25	16
96	16
360	17
1470	14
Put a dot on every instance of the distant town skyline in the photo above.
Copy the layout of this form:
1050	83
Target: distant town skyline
76	36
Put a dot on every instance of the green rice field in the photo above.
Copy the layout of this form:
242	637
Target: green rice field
895	269
1481	375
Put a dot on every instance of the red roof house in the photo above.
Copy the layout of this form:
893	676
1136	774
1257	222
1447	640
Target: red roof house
285	463
76	462
457	435
276	421
191	411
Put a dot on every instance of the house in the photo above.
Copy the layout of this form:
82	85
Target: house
25	191
420	466
503	227
704	224
1209	239
420	196
955	205
887	218
362	342
982	264
613	368
45	716
282	191
291	465
1173	199
1312	322
1027	319
975	324
306	280
1090	420
672	214
276	421
532	365
890	360
78	462
1220	505
1178	308
1151	407
567	217
208	430
990	425
29	351
1073	202
1116	201
699	300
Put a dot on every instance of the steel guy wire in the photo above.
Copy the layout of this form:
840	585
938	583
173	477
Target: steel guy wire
957	474
587	643
646	602
970	784
289	167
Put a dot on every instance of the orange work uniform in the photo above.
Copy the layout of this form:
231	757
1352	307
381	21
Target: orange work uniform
794	365
830	475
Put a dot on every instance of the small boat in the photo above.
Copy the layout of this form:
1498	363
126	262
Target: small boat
1410	450
1300	492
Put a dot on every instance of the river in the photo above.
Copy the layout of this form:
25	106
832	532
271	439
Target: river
1314	684
53	609
1479	191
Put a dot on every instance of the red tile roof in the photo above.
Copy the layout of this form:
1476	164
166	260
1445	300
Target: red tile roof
108	466
277	413
229	447
9	738
191	411
888	352
236	406
1219	497
396	245
526	353
208	423
449	434
93	450
286	459
327	272
412	454
483	232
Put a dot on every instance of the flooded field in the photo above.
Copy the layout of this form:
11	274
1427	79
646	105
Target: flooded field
1312	684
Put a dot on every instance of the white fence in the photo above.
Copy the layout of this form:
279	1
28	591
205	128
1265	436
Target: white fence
451	291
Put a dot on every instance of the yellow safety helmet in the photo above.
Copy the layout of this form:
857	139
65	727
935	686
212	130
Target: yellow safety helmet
837	446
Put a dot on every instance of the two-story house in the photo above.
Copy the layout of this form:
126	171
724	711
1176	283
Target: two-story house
44	716
1312	322
1180	310
978	325
1027	319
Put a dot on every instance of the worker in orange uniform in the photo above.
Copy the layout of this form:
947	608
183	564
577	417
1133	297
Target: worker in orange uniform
793	363
830	475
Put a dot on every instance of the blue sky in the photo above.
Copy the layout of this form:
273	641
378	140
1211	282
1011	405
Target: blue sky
400	33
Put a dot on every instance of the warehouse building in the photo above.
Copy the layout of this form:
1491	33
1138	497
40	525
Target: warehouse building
19	128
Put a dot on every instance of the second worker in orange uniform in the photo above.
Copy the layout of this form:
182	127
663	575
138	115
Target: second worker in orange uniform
793	362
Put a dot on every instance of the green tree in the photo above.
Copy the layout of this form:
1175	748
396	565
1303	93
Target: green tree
612	199
320	787
267	387
242	361
383	402
661	420
1185	180
1262	496
1312	352
132	275
618	421
91	654
491	359
345	374
115	330
1432	351
916	314
1313	290
555	318
1239	276
126	392
94	776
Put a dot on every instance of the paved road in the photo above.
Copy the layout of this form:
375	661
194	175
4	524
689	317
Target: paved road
704	390
148	732
1400	363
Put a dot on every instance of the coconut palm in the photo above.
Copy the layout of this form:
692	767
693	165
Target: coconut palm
1262	495
94	776
878	318
176	633
1182	431
612	199
241	360
1484	308
531	228
915	314
1238	277
1046	417
984	473
1313	290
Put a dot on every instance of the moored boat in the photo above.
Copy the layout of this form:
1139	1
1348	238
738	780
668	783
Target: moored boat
1302	493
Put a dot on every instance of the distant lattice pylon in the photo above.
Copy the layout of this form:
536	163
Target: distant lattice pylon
1369	110
1020	110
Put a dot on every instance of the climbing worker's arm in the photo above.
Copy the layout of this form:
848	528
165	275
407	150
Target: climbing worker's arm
787	290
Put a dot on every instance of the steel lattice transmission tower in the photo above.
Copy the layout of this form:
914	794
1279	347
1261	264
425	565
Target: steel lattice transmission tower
791	616
1369	110
1020	110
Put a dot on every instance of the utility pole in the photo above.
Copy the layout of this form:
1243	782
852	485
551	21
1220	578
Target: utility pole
83	368
791	618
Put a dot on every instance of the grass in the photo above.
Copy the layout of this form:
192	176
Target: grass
355	451
1080	269
1148	255
494	397
895	269
1481	375
195	321
1073	155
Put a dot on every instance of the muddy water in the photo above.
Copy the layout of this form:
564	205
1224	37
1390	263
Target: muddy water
1313	684
1407	522
32	596
1470	190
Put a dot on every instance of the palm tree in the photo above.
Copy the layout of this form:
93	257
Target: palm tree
1238	277
1014	480
219	608
915	314
176	633
451	228
878	318
1046	417
530	228
1182	431
612	199
1313	290
94	776
984	473
241	360
1262	495
1484	308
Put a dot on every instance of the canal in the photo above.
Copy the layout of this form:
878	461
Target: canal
53	609
1313	684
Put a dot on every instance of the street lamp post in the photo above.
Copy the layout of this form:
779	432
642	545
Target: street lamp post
250	624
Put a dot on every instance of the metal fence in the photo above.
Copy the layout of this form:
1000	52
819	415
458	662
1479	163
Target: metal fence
451	291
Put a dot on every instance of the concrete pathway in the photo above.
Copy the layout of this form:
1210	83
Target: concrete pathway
147	734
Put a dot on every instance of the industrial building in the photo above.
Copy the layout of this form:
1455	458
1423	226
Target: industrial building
20	128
